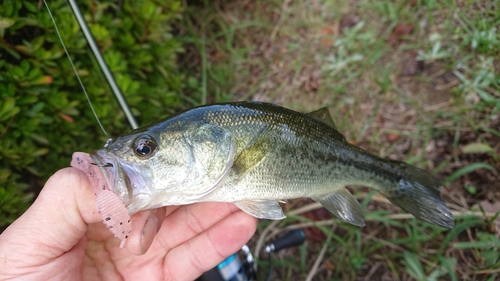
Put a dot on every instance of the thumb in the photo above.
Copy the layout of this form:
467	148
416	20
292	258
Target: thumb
56	221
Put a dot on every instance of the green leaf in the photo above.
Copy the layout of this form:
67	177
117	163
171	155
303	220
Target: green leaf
25	65
471	189
33	74
23	49
37	43
39	138
17	72
477	148
30	6
8	109
6	22
11	52
491	257
8	8
4	175
40	152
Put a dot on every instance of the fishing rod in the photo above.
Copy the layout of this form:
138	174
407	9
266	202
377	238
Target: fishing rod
102	64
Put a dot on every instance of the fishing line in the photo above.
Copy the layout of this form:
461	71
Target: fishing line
74	69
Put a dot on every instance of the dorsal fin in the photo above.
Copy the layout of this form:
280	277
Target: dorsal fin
324	116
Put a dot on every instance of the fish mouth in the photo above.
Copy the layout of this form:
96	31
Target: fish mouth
107	165
103	163
111	171
124	179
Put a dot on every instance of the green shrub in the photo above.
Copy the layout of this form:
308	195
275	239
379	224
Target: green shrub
44	116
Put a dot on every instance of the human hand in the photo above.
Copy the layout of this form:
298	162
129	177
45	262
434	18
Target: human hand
61	237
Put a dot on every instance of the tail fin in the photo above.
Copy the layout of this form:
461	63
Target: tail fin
418	193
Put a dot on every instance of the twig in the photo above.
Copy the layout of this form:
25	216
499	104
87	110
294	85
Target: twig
487	271
315	267
260	242
462	213
313	206
284	8
6	128
270	227
14	48
447	85
456	214
436	106
374	268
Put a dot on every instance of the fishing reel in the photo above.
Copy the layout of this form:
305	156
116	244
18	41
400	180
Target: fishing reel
241	265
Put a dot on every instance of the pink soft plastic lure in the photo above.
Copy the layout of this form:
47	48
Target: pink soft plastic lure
113	213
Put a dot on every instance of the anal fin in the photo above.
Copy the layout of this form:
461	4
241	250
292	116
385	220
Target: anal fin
342	204
262	209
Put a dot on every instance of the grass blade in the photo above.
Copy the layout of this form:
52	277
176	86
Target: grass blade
459	228
413	266
467	169
477	245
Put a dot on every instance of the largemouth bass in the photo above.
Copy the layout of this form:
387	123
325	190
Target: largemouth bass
255	154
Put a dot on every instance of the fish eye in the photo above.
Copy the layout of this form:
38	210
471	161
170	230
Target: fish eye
144	146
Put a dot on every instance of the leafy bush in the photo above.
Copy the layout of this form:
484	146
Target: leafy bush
44	115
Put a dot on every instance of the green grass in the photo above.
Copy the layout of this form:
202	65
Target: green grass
429	97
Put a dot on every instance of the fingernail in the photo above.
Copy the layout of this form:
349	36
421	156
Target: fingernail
148	233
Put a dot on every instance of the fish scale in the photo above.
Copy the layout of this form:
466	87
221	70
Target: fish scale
254	154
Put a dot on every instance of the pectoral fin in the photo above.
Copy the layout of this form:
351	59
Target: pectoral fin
342	204
253	153
262	209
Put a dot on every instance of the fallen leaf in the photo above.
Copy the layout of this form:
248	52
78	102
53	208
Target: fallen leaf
411	66
488	207
313	233
399	33
311	84
392	137
328	33
348	21
329	265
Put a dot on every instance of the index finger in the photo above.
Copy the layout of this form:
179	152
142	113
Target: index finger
188	221
202	252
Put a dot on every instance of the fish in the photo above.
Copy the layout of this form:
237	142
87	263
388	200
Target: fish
254	155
